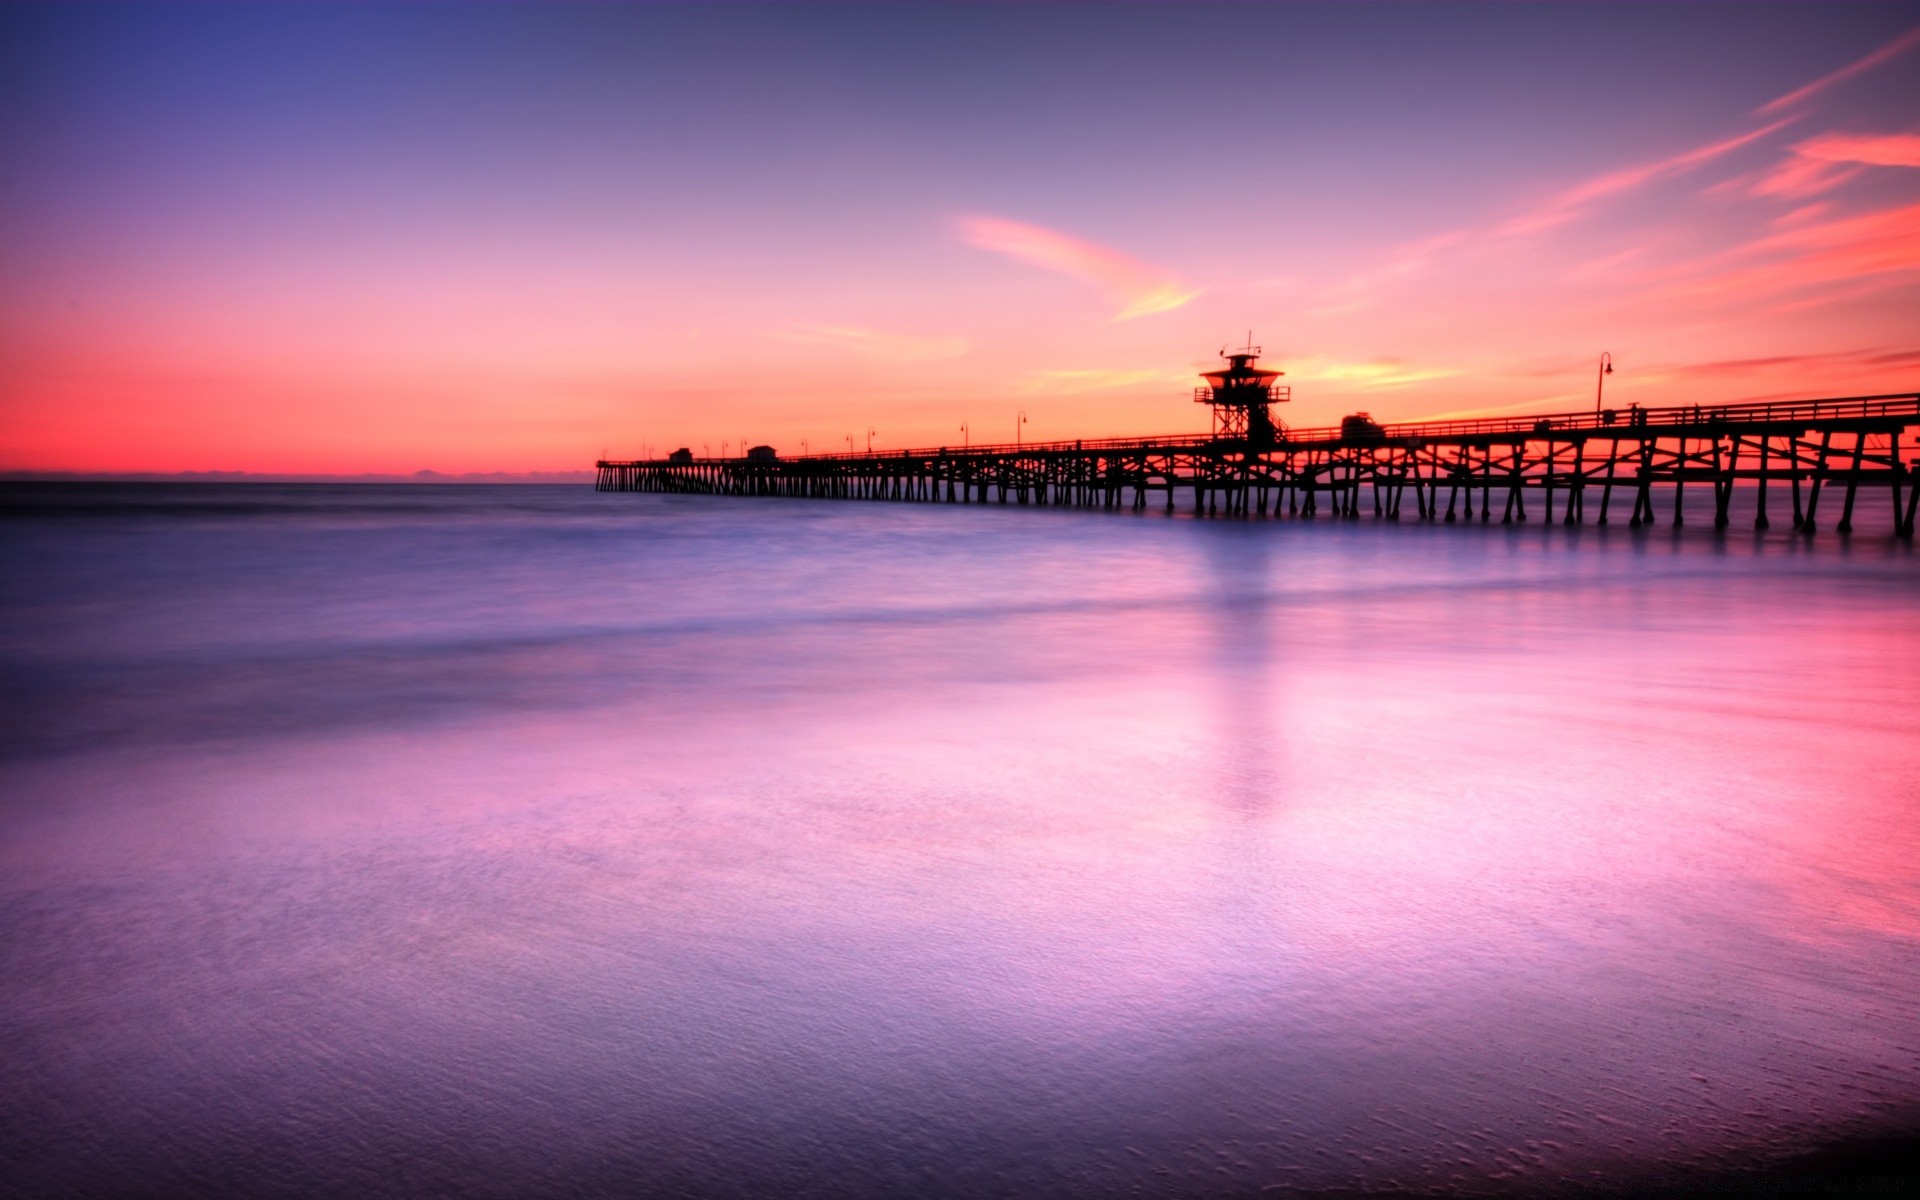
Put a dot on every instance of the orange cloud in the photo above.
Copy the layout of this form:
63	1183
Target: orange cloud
1140	289
1885	54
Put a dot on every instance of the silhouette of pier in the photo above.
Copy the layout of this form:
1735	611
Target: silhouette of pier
1574	468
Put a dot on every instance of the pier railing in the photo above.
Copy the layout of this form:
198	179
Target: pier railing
1899	404
1890	406
1852	441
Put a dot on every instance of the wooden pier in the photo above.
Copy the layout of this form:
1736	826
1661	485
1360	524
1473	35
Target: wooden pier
1572	467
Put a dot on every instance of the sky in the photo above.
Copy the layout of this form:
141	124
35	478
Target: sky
366	238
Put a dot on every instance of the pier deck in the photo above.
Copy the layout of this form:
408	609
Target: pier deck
1570	467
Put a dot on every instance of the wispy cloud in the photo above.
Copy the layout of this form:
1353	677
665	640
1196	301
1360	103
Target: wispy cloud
1874	149
1796	178
1871	360
873	343
1908	41
1825	162
1377	375
1357	291
1880	247
1545	404
1576	200
1097	380
1606	266
1565	206
1140	289
1801	215
1815	166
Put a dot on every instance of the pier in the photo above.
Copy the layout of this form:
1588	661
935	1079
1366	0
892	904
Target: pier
1803	459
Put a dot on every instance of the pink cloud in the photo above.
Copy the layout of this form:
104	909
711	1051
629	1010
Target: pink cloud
1796	178
1805	213
1140	289
1872	360
1885	54
1880	150
1575	200
1879	246
1825	162
1567	205
1888	240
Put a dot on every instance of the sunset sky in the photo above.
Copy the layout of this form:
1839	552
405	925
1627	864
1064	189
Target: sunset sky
383	239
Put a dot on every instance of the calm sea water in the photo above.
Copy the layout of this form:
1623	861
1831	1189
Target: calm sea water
416	841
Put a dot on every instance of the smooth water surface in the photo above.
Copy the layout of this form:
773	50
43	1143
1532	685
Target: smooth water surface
417	841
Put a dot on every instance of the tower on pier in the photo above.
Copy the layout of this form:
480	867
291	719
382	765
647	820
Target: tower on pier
1242	394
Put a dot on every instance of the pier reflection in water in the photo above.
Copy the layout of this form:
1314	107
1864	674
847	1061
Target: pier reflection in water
522	841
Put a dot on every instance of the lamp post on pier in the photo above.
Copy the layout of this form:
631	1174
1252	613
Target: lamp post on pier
870	432
1600	380
1016	430
966	437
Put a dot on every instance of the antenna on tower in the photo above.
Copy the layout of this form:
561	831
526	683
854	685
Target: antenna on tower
1241	395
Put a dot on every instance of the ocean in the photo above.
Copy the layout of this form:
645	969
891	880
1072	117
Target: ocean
372	841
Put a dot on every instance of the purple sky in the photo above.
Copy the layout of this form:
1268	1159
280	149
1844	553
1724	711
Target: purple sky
365	238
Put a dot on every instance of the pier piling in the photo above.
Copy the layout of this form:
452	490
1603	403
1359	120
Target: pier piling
1856	440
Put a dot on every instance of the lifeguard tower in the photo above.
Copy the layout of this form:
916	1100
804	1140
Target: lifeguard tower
1241	395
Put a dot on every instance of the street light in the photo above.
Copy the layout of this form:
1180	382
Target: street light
849	443
870	433
803	448
706	449
1016	430
1600	380
966	436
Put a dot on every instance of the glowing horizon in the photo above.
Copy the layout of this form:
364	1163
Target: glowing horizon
381	240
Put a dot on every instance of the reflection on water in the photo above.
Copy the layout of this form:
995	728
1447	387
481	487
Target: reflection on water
393	841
